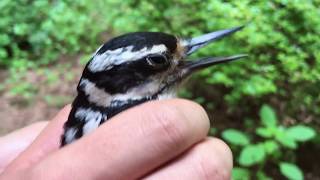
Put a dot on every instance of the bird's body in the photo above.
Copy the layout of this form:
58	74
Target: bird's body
130	70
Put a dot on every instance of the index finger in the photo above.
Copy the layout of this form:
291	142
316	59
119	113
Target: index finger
131	144
47	142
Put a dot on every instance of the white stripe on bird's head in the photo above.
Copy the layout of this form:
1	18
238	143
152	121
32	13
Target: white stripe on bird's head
110	58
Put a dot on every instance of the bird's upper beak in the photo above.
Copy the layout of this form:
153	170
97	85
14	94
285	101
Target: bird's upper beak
193	44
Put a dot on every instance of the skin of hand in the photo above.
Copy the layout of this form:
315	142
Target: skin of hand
156	140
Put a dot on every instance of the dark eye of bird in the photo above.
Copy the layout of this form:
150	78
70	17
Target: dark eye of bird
157	60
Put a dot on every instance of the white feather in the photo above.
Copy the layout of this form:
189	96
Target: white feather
69	135
95	95
90	126
139	92
104	99
108	59
167	95
92	119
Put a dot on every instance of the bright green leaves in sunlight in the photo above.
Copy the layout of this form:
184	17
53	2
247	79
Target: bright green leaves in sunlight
252	154
288	137
235	137
240	174
276	141
270	146
268	116
265	131
301	133
285	140
291	171
40	31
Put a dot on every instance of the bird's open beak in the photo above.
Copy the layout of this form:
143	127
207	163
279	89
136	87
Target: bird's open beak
193	44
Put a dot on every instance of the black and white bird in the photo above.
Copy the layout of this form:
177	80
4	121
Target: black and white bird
132	69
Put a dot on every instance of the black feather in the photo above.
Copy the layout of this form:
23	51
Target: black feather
140	40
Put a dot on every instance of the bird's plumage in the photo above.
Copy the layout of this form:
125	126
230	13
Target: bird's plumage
129	70
117	77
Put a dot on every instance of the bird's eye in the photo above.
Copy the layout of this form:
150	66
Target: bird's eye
157	60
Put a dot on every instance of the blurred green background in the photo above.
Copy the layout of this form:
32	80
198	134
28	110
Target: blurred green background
266	107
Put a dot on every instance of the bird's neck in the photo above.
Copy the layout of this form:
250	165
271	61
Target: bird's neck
85	115
114	106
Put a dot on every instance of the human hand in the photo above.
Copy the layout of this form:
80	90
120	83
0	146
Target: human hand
155	140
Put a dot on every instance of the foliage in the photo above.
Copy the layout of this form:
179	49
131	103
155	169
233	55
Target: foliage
271	144
281	38
35	32
291	171
283	69
236	137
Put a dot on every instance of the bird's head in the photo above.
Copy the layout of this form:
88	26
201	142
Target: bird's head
145	64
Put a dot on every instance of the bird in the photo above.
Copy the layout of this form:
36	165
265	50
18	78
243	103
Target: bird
134	68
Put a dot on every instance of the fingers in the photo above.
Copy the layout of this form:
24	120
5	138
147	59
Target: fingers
131	144
47	142
14	143
209	159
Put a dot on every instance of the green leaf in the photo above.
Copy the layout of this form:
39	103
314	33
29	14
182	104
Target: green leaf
262	176
270	146
4	39
3	53
291	171
252	154
240	174
264	132
268	116
301	133
286	141
20	29
235	137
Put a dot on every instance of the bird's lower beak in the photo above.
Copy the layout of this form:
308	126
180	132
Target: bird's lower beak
193	44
